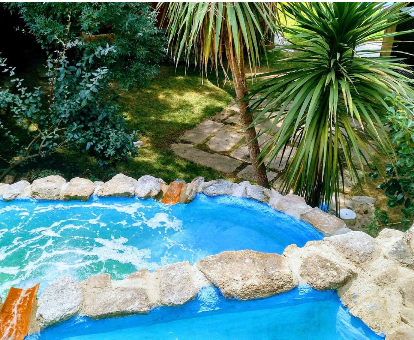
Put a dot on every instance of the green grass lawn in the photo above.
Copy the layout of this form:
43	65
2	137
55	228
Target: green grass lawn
173	103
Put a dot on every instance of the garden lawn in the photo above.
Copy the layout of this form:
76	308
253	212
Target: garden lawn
173	103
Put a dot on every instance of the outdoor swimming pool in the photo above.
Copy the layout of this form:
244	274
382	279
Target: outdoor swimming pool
302	313
42	240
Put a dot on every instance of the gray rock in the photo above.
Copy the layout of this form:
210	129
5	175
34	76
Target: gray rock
218	188
400	251
148	186
3	188
119	185
257	193
176	285
292	205
327	224
193	188
240	189
18	189
47	188
324	274
78	189
102	300
60	301
396	245
248	274
356	246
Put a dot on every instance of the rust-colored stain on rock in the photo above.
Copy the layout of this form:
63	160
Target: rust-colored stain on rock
16	311
172	196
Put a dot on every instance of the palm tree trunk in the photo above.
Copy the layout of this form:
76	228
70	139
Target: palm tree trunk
239	81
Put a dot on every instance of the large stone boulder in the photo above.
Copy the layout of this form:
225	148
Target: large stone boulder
326	223
176	285
102	300
248	274
324	274
60	301
356	246
218	187
47	188
194	188
257	193
78	189
119	185
292	205
148	186
18	189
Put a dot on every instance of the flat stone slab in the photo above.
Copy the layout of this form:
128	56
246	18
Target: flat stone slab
225	139
242	152
248	173
201	132
215	161
248	274
326	223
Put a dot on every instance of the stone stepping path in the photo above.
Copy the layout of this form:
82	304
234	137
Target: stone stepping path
219	143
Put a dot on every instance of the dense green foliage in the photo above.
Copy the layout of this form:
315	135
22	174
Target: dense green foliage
78	107
400	185
128	28
330	100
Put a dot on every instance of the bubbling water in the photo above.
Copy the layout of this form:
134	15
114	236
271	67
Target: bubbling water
42	240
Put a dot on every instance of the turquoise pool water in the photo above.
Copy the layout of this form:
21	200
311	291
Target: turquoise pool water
300	314
42	240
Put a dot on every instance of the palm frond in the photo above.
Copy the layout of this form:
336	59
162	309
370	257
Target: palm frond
332	101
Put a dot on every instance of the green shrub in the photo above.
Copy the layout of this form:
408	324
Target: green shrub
399	187
78	107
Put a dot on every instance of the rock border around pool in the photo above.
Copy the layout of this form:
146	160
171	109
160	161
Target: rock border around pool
373	277
56	188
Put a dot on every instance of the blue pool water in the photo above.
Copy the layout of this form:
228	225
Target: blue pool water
300	314
42	240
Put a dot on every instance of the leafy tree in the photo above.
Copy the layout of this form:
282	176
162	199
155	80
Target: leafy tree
209	30
128	28
330	99
78	107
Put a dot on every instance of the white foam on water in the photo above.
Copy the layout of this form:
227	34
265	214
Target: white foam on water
162	220
117	250
9	270
50	233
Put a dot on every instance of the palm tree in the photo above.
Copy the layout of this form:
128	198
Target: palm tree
210	29
330	100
